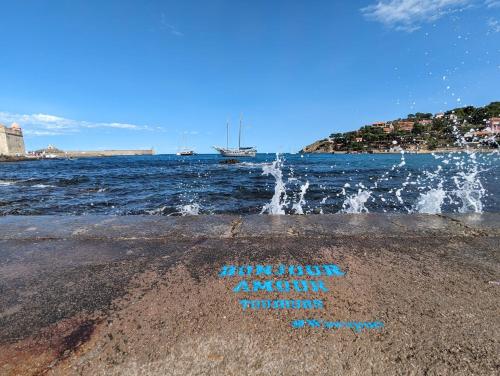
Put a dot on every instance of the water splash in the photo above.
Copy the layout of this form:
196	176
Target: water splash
470	190
279	199
468	195
431	201
297	207
189	209
356	202
279	202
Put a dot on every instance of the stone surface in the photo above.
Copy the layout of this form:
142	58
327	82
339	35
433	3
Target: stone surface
141	295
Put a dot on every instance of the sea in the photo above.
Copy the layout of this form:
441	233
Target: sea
269	184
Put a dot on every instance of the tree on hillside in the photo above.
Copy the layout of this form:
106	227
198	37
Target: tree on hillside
493	109
438	124
418	128
422	115
478	116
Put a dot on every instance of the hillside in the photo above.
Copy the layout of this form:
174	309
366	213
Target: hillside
419	132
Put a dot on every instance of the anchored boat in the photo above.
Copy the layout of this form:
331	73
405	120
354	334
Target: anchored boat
185	153
241	151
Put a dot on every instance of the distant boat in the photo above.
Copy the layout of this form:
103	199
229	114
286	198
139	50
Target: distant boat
241	151
185	153
51	156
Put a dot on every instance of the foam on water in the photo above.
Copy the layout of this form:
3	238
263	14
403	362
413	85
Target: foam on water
189	209
6	183
43	186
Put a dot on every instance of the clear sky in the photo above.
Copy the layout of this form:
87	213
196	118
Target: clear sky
138	74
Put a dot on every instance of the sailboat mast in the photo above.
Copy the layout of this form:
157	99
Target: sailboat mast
227	135
239	136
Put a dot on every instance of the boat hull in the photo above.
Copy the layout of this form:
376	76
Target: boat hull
236	152
185	153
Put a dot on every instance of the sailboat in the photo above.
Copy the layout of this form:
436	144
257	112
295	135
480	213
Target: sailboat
184	151
241	151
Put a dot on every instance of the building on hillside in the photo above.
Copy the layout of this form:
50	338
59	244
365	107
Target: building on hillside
11	140
388	129
406	126
493	122
439	115
492	128
378	124
487	132
359	139
49	151
425	121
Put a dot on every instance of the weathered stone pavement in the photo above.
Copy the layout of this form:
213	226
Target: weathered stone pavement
142	295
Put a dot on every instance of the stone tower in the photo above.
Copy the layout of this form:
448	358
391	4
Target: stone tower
11	140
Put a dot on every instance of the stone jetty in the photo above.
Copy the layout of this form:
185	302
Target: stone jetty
253	295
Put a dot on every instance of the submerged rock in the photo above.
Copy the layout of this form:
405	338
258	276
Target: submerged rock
229	161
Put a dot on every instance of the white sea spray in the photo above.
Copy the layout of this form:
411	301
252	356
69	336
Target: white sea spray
355	203
297	207
431	201
279	200
189	209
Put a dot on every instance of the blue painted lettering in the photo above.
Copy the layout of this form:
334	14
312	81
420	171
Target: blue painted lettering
242	286
313	270
227	271
263	285
300	285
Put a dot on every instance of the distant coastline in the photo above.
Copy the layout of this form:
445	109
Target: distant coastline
398	151
454	130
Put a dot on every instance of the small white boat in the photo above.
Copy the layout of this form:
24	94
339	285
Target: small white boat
241	151
185	153
51	156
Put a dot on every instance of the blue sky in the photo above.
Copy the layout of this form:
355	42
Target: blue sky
139	74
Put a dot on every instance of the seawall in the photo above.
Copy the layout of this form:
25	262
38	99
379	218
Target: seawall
107	153
400	294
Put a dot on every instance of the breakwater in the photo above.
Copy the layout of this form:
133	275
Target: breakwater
147	295
106	153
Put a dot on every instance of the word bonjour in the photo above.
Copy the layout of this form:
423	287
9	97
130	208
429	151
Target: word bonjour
297	284
281	270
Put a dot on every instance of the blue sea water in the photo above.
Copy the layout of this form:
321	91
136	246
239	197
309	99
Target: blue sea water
309	184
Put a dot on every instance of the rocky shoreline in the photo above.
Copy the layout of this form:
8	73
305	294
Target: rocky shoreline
325	147
146	295
8	158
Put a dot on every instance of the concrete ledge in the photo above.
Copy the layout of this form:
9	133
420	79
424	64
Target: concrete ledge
220	226
102	295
